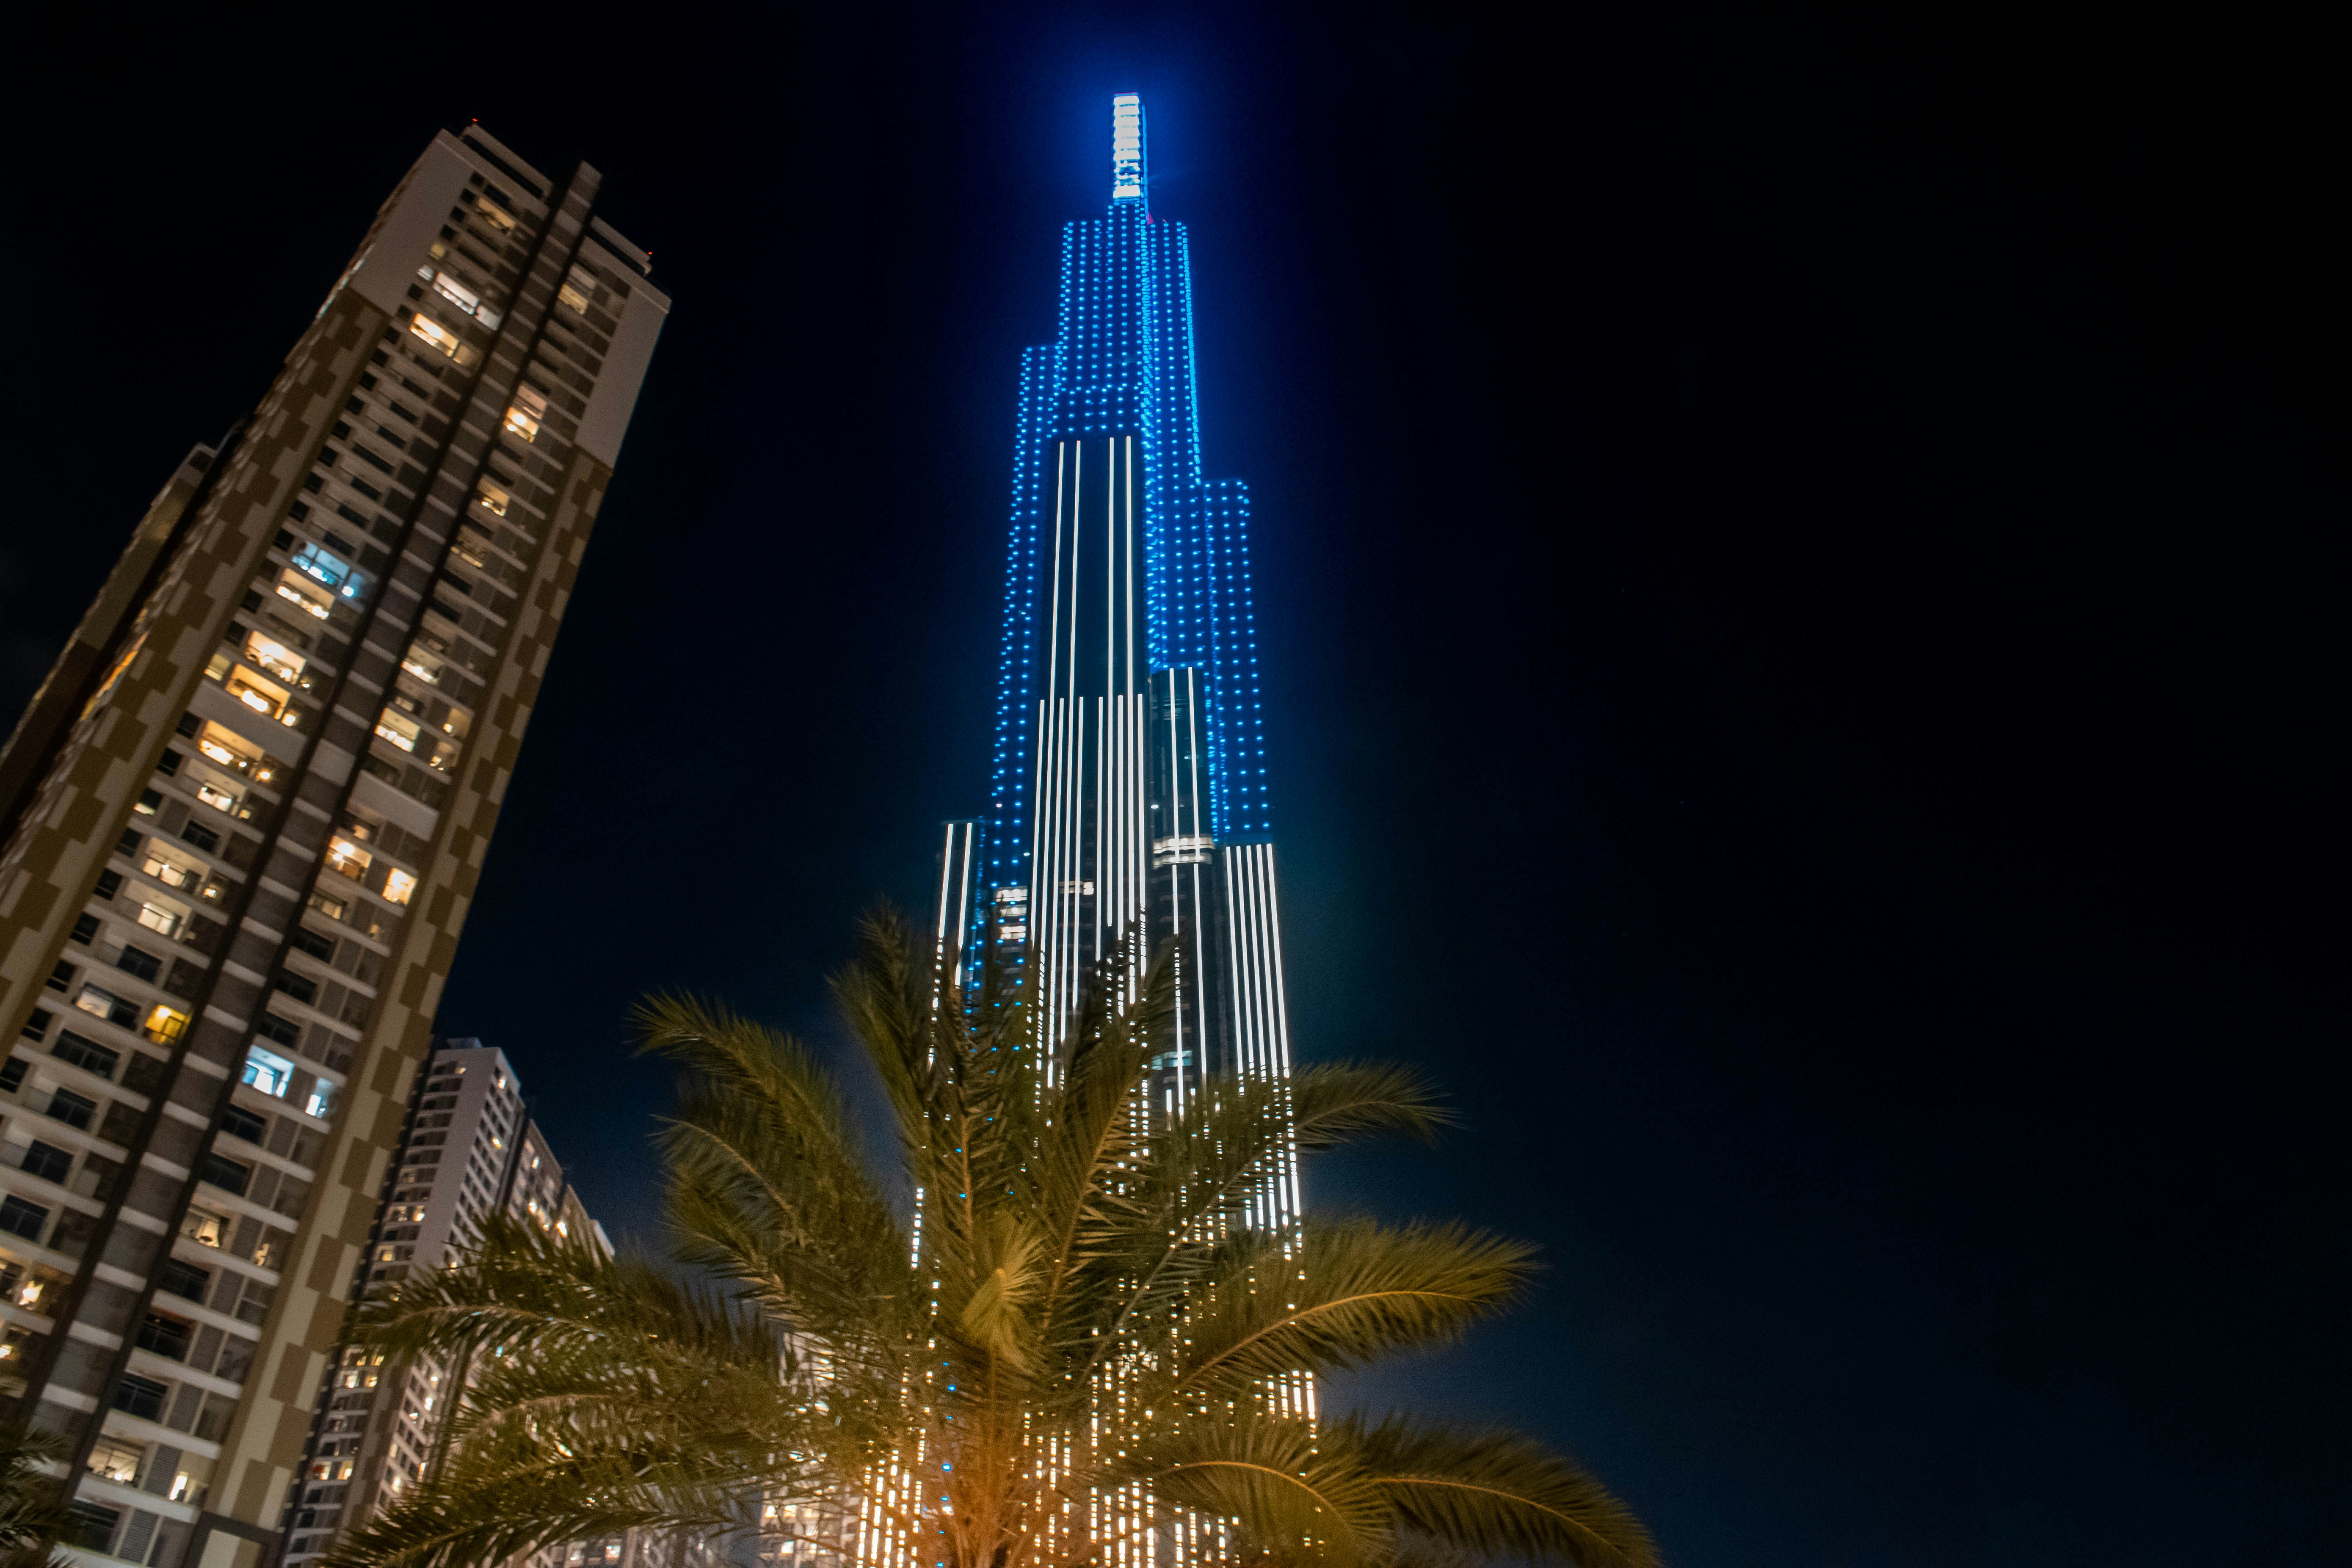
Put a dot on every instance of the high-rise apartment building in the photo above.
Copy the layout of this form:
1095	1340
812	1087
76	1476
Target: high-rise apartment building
469	1149
240	827
1129	798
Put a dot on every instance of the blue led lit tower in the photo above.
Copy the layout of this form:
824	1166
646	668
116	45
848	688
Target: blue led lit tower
1129	787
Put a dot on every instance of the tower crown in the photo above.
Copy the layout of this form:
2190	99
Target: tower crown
1128	178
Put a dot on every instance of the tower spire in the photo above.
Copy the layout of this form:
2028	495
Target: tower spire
1127	179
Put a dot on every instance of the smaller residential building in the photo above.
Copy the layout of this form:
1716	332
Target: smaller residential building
468	1148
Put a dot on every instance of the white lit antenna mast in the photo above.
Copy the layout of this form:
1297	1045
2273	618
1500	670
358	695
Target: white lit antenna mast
1126	176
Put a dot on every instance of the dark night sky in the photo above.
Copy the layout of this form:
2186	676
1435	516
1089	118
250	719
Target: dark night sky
1796	631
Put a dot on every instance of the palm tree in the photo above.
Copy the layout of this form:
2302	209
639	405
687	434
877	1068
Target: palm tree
1076	1342
34	1515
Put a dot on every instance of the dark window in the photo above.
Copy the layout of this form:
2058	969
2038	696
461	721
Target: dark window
19	1217
139	962
164	1336
343	432
314	482
89	1526
168	763
285	541
46	1161
150	801
273	1027
365	488
299	512
348	515
130	842
204	838
84	928
183	1279
61	977
37	1028
239	1122
353	403
110	882
312	942
295	986
141	1397
85	1054
12	1077
224	1173
74	1109
381	358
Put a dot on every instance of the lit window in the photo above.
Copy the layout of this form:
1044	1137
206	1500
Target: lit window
530	407
162	918
573	299
399	729
425	666
274	657
348	858
263	698
268	1071
321	1103
219	799
97	1003
398	885
499	218
332	908
112	1459
204	1229
494	499
165	1025
230	749
170	873
324	565
304	596
331	569
435	334
456	293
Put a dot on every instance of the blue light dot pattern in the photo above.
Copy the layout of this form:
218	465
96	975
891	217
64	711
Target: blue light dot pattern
1125	365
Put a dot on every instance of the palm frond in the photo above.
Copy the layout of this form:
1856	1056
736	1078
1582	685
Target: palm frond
1495	1494
768	1186
1286	1494
1335	1295
34	1513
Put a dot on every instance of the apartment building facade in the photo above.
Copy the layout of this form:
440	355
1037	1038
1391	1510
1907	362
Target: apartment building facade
240	828
469	1149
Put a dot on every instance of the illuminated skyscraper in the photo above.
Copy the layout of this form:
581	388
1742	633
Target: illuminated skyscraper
241	825
1129	787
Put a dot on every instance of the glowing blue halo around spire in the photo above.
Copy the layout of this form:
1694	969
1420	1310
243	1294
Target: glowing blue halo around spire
1128	177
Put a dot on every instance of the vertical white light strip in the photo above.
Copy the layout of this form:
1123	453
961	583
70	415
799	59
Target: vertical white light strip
1139	812
964	893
